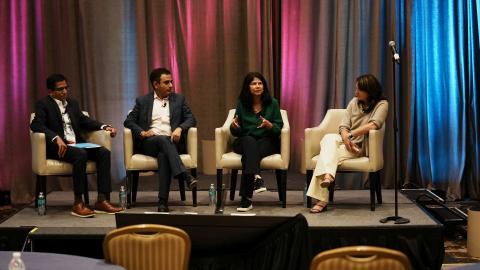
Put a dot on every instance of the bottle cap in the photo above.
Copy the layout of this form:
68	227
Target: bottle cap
16	254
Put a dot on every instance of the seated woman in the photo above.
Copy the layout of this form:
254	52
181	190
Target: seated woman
257	124
366	111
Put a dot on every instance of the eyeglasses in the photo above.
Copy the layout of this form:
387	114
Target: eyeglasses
62	88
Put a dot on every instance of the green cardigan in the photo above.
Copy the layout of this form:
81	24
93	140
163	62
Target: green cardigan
249	121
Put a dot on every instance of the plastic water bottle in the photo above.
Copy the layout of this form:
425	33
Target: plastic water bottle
212	195
16	263
123	197
41	204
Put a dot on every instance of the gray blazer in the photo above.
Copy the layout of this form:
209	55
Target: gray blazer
140	118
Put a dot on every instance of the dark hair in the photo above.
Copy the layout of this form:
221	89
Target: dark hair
245	95
53	79
157	73
369	84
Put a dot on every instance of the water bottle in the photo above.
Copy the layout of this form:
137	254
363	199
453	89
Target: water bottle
123	197
212	195
41	204
16	263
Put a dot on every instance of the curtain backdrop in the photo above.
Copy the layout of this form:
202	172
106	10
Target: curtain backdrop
310	52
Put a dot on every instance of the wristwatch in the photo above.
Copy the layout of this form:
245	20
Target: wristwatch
350	136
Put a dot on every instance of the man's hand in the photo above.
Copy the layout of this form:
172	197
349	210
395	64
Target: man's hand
265	123
112	130
147	134
62	147
175	137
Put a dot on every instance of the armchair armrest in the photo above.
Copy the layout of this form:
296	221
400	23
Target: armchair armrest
192	144
314	135
285	140
100	137
222	138
39	152
127	147
375	148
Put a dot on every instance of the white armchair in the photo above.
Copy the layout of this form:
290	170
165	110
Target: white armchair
226	159
372	163
43	167
136	163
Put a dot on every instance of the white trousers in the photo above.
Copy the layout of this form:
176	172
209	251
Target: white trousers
332	153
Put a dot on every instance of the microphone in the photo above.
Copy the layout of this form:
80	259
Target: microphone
396	56
164	104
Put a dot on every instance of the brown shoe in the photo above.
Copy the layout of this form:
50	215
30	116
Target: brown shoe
104	207
80	210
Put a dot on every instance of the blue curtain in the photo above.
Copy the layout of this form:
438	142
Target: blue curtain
445	122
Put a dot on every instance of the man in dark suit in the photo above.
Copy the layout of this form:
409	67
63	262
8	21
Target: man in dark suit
62	121
159	122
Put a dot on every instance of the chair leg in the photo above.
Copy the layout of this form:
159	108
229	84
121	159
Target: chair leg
308	180
193	172
284	188
181	187
378	186
331	191
278	177
219	186
128	186
373	183
233	183
85	194
134	186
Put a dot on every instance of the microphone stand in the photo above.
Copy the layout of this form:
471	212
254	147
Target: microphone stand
396	219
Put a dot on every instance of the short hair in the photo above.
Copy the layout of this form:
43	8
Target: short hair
369	84
157	73
53	79
245	96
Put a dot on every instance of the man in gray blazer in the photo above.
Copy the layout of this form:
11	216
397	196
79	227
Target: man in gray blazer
159	122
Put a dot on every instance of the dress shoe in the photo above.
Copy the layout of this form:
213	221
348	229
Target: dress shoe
191	182
80	210
105	207
162	206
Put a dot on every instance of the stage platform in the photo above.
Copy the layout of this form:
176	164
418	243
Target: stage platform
348	221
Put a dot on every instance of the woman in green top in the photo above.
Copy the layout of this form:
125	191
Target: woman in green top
257	124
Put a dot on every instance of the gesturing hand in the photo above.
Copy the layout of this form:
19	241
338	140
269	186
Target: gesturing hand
112	130
265	123
235	123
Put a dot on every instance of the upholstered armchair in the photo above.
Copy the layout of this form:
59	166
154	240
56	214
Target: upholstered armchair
226	159
372	163
136	163
43	167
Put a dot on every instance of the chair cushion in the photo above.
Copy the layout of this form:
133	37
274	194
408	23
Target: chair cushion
57	167
361	164
232	160
141	162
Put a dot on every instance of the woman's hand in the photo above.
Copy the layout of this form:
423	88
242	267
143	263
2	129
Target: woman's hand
235	123
265	123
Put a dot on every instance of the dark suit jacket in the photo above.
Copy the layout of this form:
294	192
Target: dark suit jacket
48	120
140	118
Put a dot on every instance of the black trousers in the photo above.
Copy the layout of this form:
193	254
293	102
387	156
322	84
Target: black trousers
78	158
253	150
169	162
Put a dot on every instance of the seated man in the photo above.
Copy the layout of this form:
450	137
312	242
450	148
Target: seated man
159	122
62	121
